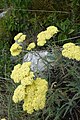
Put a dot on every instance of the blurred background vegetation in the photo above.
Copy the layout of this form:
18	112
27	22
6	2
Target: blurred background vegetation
31	17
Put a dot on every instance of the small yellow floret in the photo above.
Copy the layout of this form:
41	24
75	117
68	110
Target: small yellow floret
31	46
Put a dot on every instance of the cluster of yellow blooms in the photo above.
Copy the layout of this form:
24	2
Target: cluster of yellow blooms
42	37
16	48
32	92
20	37
35	95
46	35
22	73
71	51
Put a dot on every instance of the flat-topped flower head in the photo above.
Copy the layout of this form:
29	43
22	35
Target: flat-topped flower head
43	36
71	51
31	46
23	74
22	38
15	49
52	30
18	36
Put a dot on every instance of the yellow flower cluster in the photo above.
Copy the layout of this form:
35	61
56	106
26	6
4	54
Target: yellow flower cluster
71	51
42	37
22	73
46	35
31	46
32	92
20	37
15	49
35	96
19	94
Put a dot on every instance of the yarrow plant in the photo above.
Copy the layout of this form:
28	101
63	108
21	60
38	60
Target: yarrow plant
32	89
71	51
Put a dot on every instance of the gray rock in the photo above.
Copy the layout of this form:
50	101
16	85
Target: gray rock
38	60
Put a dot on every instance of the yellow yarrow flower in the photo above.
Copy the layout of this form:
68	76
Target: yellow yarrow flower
71	51
41	35
18	36
46	35
15	49
31	46
19	94
16	73
52	30
32	92
35	95
41	42
22	73
22	38
28	80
